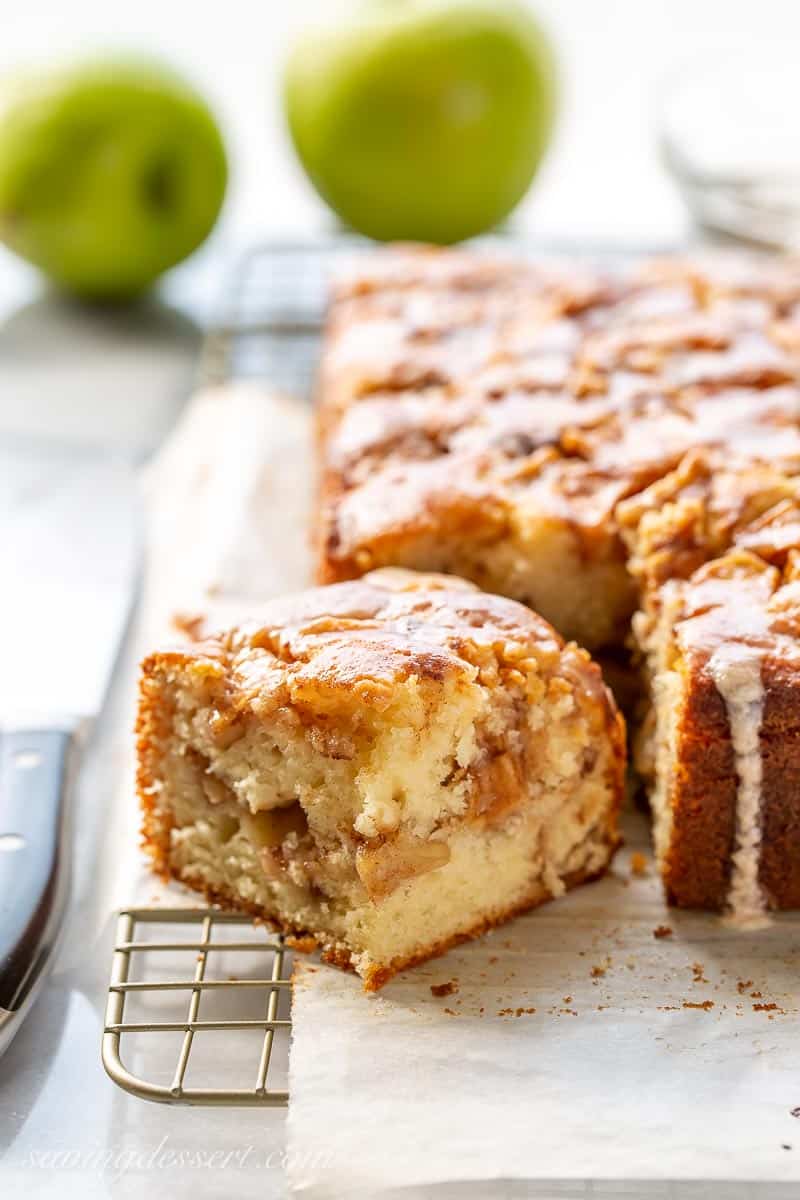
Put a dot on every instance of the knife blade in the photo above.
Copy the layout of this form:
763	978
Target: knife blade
69	556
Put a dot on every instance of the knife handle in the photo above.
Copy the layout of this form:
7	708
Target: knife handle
35	767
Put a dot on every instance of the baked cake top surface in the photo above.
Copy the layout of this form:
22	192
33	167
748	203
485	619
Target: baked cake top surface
740	600
356	639
455	378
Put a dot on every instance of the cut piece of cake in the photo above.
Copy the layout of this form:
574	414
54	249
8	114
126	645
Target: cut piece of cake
387	766
724	657
716	553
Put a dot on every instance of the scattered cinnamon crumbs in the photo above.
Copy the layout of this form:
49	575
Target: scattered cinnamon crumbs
638	863
698	973
765	1008
662	931
597	972
705	1005
444	989
743	985
302	943
189	624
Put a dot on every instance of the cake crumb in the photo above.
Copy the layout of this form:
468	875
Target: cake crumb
756	996
189	624
765	1008
638	863
568	999
451	1012
662	931
698	973
301	942
705	1005
743	985
444	989
598	971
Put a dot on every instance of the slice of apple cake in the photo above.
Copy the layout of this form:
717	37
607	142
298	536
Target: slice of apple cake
724	666
387	766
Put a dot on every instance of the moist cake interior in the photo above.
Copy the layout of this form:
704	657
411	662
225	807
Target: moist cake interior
387	766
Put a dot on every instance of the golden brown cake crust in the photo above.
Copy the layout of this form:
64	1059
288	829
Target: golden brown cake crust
736	601
333	647
471	409
362	636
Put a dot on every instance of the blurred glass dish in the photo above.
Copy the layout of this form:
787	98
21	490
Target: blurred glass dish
730	135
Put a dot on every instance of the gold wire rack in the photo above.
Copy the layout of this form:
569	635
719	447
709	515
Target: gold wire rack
181	998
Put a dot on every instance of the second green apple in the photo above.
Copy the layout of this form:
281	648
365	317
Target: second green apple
422	119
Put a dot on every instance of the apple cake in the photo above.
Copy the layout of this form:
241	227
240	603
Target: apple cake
386	766
606	446
716	554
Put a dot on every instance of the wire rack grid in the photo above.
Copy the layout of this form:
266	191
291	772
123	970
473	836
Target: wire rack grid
186	995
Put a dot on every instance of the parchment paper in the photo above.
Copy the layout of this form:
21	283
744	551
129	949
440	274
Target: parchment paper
578	1045
602	1037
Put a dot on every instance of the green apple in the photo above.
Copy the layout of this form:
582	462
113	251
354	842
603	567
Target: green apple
110	172
422	119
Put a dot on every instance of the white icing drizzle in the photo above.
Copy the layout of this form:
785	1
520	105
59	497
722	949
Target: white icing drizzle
736	671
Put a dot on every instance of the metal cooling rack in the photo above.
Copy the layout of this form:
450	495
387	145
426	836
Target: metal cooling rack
269	319
268	322
182	1000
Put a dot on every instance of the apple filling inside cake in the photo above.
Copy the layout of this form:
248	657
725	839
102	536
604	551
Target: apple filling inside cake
386	766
